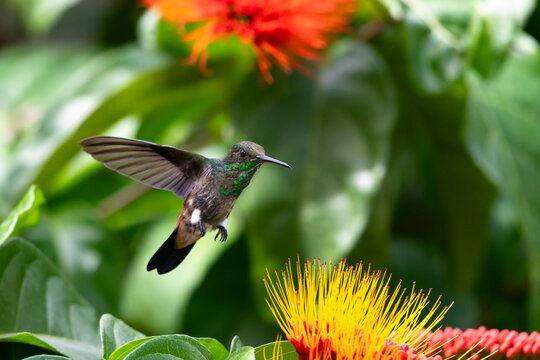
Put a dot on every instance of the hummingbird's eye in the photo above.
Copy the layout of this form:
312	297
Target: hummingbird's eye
243	153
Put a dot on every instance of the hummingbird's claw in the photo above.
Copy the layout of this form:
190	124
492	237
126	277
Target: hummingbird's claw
202	228
222	233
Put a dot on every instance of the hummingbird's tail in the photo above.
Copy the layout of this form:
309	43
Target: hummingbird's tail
168	257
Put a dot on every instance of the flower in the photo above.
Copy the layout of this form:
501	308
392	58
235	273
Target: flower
503	344
343	312
280	32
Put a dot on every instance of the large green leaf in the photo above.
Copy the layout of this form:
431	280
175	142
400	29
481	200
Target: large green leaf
25	214
115	333
61	345
75	237
285	348
502	135
349	142
126	349
444	37
35	298
496	24
436	40
219	352
171	347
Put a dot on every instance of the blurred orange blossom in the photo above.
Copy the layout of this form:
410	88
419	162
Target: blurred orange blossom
280	32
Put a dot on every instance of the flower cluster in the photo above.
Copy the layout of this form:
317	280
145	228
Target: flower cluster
280	32
343	312
503	344
393	351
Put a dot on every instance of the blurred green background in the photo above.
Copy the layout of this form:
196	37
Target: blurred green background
415	147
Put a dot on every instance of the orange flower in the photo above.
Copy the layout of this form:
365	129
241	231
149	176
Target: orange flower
280	32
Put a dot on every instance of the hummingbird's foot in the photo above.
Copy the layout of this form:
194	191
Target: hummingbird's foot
199	227
222	233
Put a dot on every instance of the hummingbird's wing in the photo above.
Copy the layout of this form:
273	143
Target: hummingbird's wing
162	167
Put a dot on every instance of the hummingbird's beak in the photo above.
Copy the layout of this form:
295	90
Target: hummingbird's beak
272	160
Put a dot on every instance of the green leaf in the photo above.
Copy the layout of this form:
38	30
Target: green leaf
25	214
436	39
37	298
219	352
171	347
243	353
349	144
40	15
493	31
46	357
75	237
115	333
53	343
236	344
126	349
444	37
502	136
266	351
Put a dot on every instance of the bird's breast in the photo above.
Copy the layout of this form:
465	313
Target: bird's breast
213	206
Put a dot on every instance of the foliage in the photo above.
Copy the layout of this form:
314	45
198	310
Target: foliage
70	324
414	146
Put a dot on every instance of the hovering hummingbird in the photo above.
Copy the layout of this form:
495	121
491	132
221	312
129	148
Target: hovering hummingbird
210	186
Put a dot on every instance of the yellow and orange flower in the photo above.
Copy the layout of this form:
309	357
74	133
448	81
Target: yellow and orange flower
343	312
280	32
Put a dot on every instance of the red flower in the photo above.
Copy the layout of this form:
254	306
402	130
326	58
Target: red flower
503	344
280	31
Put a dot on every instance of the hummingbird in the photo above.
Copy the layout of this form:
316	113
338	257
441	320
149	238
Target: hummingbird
210	186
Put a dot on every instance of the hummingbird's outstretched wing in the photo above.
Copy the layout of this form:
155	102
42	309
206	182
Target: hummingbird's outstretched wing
162	167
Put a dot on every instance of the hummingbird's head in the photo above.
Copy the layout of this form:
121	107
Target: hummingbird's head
250	155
